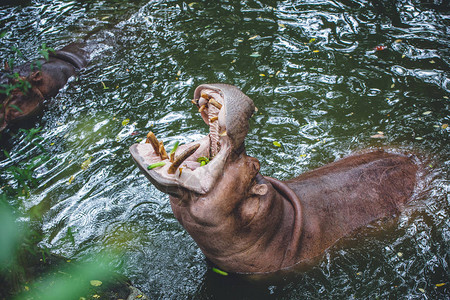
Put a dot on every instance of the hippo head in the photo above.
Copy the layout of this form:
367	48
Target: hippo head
22	102
226	110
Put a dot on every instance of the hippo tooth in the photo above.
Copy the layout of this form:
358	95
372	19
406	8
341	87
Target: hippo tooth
151	139
202	108
182	157
162	151
213	119
215	103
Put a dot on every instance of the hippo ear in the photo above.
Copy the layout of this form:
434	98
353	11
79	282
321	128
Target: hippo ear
259	189
36	76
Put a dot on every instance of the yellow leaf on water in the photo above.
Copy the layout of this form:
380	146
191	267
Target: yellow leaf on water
421	290
419	138
426	113
444	126
192	4
281	25
96	283
85	164
277	144
125	122
397	41
316	51
432	62
312	40
440	284
253	37
262	75
71	179
400	254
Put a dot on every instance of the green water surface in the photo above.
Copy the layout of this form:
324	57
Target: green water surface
322	89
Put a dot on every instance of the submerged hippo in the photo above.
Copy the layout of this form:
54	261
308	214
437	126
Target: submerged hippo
41	83
245	222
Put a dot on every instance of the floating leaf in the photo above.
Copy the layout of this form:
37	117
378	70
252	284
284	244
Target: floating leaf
71	179
302	155
85	164
397	41
421	290
218	271
255	54
104	86
400	254
253	37
440	284
426	113
96	283
444	126
192	4
419	138
277	144
392	85
125	122
281	25
262	75
316	51
312	40
432	62
156	165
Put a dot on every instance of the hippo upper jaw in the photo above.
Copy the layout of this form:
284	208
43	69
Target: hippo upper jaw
226	110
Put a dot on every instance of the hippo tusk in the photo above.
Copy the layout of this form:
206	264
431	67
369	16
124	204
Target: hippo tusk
213	119
151	139
182	157
162	151
202	108
215	103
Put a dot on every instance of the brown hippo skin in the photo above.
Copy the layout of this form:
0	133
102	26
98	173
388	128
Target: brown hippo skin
45	83
247	223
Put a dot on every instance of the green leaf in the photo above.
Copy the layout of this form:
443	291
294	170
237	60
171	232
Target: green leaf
203	160
125	122
15	107
86	163
220	272
175	147
156	165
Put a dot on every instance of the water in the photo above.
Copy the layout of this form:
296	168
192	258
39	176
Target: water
322	91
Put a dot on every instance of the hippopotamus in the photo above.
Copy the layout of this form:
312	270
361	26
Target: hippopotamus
247	223
41	80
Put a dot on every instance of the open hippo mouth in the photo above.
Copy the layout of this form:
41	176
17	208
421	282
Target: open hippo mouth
226	110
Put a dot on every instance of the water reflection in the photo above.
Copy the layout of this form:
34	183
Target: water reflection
322	90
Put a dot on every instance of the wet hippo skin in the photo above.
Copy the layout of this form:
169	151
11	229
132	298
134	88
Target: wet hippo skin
247	223
45	78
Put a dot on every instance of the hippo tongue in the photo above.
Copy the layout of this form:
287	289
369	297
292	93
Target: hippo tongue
232	117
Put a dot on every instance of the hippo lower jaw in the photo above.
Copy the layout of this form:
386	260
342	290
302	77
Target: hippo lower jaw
184	171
